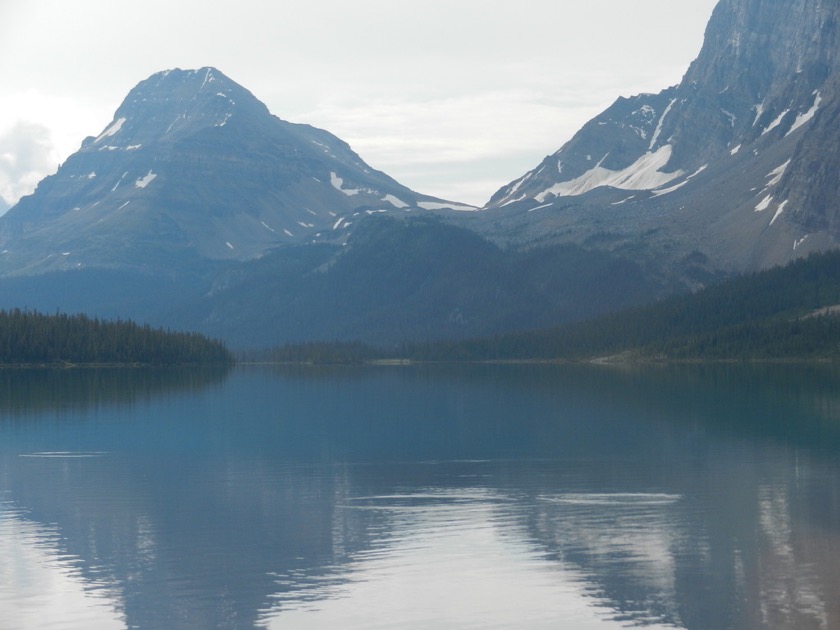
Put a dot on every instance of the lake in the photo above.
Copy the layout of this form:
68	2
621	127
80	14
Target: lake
581	497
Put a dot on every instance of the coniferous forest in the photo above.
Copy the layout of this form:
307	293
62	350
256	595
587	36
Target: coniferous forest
33	338
790	312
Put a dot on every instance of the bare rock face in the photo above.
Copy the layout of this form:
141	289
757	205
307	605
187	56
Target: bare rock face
762	66
738	162
812	183
193	167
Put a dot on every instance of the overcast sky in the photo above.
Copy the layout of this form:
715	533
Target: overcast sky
453	98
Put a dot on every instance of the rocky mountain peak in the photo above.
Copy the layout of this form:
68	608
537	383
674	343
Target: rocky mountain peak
763	68
194	166
735	161
174	102
780	44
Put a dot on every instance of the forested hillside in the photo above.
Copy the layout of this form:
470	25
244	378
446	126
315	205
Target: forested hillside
783	313
32	338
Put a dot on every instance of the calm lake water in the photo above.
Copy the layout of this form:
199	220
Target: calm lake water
699	497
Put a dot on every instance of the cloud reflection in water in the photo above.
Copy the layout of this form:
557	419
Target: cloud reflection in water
459	558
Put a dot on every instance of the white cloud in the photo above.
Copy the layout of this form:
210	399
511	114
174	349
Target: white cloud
48	586
461	147
38	131
26	155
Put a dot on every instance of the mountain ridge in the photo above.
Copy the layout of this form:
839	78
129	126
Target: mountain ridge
765	83
193	162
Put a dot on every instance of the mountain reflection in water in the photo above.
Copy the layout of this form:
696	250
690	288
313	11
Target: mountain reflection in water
484	496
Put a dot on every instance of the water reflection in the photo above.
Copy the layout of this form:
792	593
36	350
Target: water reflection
451	559
49	588
692	497
30	391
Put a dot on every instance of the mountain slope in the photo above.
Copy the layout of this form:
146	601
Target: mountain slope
789	312
395	279
735	162
193	167
405	279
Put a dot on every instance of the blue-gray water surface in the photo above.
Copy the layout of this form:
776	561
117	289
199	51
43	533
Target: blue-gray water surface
580	497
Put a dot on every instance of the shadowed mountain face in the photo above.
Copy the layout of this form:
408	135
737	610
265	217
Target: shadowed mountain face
193	167
738	161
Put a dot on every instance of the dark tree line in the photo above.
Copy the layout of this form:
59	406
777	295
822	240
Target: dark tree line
33	338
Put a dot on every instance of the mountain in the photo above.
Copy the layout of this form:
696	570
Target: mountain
394	279
196	208
737	165
400	279
193	168
787	312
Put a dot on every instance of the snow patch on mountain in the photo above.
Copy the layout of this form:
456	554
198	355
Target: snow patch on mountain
145	180
664	191
545	205
759	111
395	201
434	205
801	119
643	174
776	174
112	130
208	77
775	123
514	200
119	182
518	183
659	125
338	184
764	203
779	211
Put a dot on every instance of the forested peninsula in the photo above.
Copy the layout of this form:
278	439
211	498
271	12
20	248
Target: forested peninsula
33	338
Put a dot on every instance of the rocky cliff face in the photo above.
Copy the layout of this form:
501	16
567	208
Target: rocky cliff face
754	117
764	66
812	181
194	167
